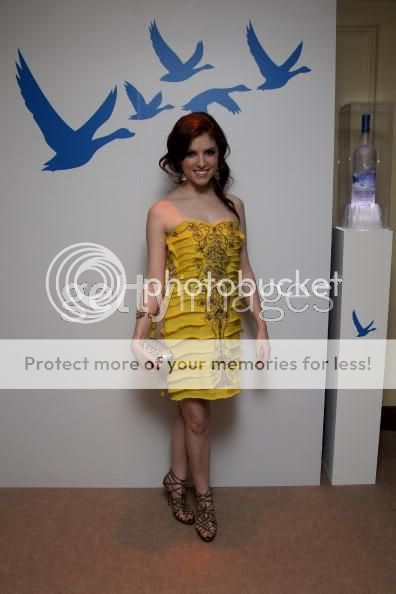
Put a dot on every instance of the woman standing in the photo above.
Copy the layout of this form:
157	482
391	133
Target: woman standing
196	230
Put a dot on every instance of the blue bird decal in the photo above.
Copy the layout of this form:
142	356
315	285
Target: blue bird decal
177	70
73	148
361	330
221	96
144	111
275	76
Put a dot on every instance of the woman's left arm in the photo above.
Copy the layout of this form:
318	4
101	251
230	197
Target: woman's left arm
263	348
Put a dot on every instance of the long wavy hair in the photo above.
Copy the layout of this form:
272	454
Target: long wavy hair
186	129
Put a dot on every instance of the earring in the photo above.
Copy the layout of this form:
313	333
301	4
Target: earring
182	177
217	174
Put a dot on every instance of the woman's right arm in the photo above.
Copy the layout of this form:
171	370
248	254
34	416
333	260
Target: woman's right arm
155	275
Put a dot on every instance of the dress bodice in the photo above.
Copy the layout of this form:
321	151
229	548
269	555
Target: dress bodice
195	248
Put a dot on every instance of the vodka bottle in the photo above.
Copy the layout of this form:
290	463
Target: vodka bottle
364	161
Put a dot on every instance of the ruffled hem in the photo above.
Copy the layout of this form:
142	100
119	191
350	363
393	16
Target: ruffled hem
204	394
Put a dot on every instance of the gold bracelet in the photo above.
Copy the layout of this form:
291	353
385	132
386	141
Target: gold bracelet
141	312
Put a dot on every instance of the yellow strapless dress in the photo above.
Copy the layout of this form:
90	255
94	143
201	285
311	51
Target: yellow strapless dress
195	249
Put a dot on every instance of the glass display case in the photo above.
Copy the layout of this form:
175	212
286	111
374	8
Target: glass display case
364	165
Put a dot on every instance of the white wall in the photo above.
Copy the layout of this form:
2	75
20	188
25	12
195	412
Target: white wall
282	161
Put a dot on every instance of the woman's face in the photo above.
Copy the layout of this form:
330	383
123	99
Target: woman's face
201	160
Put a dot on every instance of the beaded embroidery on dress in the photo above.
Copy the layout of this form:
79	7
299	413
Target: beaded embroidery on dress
196	251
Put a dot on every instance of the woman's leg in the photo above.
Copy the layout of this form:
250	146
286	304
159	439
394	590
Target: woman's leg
196	415
179	460
174	480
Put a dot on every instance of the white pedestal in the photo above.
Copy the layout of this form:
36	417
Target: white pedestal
352	417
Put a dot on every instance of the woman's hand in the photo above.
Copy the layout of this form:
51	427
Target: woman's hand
263	347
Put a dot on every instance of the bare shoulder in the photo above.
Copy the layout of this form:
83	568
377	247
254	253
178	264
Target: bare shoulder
237	201
157	211
164	206
156	208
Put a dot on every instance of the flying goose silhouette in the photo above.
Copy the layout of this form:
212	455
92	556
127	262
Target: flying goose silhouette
73	148
361	330
221	96
177	70
275	76
144	111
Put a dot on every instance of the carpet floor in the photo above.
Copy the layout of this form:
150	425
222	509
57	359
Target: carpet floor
273	540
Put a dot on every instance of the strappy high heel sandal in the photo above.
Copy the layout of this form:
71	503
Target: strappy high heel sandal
205	519
182	511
